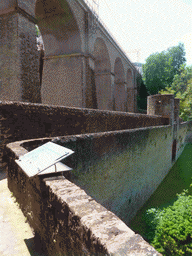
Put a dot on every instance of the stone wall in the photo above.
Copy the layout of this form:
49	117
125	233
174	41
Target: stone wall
116	167
27	121
183	132
66	30
67	221
122	169
62	81
10	87
113	173
164	105
19	64
29	61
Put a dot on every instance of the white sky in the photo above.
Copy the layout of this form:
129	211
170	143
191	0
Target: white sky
148	26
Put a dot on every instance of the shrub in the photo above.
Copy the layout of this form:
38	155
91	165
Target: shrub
170	230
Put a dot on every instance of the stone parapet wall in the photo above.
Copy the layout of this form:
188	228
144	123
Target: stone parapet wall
67	221
121	169
165	105
114	173
27	121
183	133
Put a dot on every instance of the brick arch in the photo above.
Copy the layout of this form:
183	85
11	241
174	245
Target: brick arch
58	26
130	91
102	74
119	103
119	71
62	67
130	78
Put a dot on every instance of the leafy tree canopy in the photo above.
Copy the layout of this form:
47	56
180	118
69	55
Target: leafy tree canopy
182	89
142	94
160	68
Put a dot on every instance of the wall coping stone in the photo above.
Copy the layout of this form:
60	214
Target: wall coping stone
85	110
113	233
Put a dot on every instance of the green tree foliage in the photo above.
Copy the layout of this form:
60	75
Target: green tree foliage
160	68
182	89
170	229
142	95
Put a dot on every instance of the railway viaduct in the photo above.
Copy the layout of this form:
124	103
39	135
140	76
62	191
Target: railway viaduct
83	64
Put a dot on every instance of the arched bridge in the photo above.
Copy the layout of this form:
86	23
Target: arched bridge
83	64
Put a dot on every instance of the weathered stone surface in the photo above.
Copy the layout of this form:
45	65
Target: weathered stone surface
25	121
7	4
74	221
9	59
134	246
113	167
67	30
29	61
58	89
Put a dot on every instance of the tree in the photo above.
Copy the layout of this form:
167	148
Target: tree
160	68
182	89
181	79
142	94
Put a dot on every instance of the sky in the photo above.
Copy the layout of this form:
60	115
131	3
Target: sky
143	27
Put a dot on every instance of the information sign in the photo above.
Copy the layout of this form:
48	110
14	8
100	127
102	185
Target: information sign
38	160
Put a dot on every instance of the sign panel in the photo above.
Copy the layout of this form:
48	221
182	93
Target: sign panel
43	157
58	167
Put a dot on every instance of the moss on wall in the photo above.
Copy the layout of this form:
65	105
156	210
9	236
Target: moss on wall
121	169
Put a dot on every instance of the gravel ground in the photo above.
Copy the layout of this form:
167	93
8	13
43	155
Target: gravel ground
16	236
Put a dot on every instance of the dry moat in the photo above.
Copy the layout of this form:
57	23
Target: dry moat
178	178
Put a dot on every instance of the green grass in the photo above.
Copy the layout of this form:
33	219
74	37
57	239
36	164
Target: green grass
178	178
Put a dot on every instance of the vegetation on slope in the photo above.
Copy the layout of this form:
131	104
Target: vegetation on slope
166	216
170	230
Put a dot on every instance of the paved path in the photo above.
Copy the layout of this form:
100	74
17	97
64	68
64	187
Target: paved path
16	237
